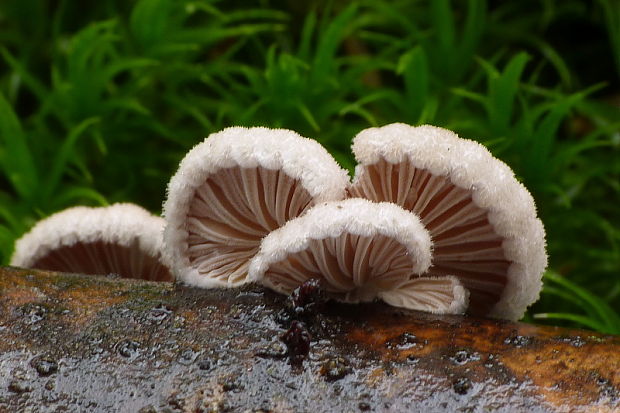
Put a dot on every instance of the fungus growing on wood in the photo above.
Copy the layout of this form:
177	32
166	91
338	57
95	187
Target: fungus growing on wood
232	190
122	239
361	251
482	221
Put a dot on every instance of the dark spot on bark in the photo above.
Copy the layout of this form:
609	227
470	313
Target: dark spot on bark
205	364
297	340
335	369
461	385
32	313
44	366
462	357
404	341
231	385
363	406
176	401
159	313
276	349
128	348
518	341
307	299
20	386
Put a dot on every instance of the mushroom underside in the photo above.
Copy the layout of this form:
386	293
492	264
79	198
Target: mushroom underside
101	258
355	268
232	211
465	243
441	295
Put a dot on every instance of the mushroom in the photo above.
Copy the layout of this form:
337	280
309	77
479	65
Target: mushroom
233	189
482	221
361	251
122	239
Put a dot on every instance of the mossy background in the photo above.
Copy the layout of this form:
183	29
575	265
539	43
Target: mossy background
100	100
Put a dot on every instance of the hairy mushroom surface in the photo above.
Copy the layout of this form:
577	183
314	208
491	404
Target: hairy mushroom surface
122	239
482	221
360	251
233	189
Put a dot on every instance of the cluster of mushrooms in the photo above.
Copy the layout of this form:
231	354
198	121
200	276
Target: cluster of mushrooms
430	222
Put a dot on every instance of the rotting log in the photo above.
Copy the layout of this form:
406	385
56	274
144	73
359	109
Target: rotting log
84	343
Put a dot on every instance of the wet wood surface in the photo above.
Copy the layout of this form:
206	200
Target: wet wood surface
100	344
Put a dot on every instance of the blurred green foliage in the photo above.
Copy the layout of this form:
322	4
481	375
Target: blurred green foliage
100	100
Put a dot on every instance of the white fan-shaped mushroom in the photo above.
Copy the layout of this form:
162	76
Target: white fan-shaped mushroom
232	190
122	239
359	249
482	220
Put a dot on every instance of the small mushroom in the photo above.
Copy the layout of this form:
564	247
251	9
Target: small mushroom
122	239
361	251
482	221
232	190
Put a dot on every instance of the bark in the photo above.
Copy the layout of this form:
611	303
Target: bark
84	343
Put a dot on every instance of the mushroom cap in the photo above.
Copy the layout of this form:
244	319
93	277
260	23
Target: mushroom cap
124	239
482	221
234	188
356	247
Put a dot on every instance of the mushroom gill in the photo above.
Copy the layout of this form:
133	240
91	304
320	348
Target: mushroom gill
122	239
441	295
482	220
359	250
232	190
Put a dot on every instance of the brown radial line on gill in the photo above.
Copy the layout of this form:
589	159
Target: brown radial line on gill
483	293
282	197
360	263
326	259
433	291
261	208
346	251
204	232
456	209
401	179
383	246
232	268
475	229
220	260
234	188
270	197
95	258
301	266
328	265
387	179
370	186
382	260
235	208
212	200
298	200
446	203
291	273
270	181
344	247
389	262
366	267
472	278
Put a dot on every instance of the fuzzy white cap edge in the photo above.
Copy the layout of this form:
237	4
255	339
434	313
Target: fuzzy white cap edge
355	216
298	157
120	224
471	166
